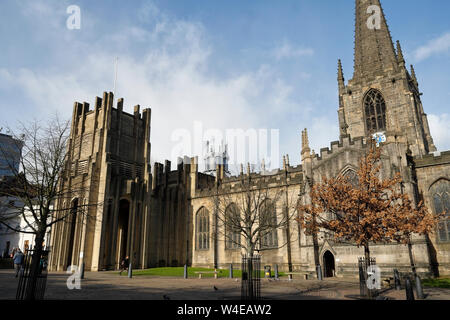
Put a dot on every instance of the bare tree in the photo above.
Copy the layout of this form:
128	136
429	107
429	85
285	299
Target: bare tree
35	185
249	219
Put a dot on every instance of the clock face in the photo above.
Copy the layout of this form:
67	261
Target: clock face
379	137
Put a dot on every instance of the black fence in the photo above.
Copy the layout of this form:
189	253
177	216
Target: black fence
251	278
363	265
27	288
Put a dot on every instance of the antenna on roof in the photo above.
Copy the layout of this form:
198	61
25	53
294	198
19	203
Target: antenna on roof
116	62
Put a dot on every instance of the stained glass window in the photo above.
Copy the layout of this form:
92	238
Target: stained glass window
441	201
232	230
375	111
268	222
203	229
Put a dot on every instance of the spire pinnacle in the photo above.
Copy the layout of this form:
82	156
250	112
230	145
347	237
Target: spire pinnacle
413	75
341	80
400	58
305	144
374	50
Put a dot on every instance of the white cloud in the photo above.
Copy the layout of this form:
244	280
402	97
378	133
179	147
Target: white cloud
322	129
170	75
287	50
435	46
440	130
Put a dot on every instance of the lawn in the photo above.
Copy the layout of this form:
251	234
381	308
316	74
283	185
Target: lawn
179	272
437	283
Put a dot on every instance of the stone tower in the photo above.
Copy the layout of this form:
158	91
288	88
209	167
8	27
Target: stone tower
108	172
383	95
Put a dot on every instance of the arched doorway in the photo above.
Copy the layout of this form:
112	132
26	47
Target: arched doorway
328	264
122	236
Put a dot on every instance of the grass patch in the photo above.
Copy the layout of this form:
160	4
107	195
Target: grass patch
179	272
437	283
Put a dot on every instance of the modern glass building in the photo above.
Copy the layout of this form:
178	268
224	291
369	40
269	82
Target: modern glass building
10	153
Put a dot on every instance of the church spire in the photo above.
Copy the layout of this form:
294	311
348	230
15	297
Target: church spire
374	50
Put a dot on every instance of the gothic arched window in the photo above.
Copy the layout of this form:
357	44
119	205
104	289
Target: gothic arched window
440	193
375	111
268	225
352	177
202	229
232	227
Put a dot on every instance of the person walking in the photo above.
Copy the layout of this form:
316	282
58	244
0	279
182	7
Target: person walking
18	261
124	265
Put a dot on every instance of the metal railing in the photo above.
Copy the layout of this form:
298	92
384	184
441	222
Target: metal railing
363	265
29	288
251	278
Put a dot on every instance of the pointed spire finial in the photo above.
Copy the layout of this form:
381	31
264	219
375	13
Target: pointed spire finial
413	76
305	144
400	57
341	80
305	138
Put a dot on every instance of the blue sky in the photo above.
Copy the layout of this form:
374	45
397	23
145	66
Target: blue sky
228	64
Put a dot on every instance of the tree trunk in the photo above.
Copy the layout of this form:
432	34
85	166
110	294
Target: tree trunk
367	254
35	266
411	258
367	264
316	249
315	242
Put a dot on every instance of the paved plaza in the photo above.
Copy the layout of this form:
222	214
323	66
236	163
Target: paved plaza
111	286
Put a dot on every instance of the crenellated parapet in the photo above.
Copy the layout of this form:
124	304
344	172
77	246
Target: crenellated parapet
289	176
109	134
344	142
432	159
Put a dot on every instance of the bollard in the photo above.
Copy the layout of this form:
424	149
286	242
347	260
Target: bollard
319	272
82	271
409	289
397	282
185	275
130	271
231	271
419	289
276	272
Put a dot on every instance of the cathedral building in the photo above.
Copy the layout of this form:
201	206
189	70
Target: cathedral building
163	217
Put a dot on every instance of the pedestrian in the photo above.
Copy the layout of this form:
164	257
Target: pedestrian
13	252
18	261
124	265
